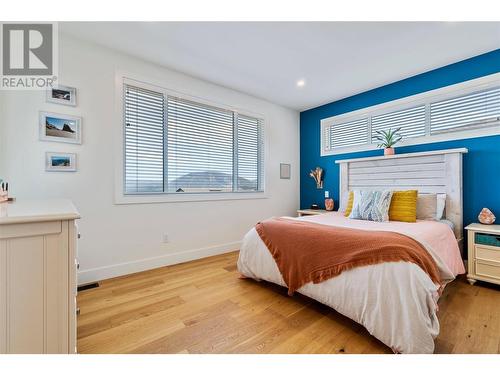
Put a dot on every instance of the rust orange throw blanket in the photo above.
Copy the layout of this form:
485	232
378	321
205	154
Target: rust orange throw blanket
306	252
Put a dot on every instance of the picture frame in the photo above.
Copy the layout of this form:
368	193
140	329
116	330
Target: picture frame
60	94
285	171
56	127
60	162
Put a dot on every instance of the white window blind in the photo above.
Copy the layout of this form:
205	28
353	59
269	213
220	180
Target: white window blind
411	121
144	134
349	133
467	111
175	145
200	147
249	155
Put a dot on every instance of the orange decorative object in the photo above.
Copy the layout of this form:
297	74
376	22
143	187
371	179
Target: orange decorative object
486	216
4	195
329	204
388	151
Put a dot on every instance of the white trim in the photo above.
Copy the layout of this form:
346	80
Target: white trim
122	77
414	100
126	268
186	197
407	155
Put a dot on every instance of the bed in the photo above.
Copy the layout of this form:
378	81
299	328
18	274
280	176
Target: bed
395	301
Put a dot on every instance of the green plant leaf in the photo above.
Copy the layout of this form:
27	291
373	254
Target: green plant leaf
387	138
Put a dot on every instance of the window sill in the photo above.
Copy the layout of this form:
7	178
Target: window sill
189	197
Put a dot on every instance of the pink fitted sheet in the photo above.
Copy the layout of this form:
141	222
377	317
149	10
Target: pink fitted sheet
432	234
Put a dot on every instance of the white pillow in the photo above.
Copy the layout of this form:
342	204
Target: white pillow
440	206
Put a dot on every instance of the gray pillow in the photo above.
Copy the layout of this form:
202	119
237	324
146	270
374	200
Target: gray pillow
426	206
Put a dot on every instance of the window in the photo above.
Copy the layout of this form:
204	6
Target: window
250	154
467	111
144	137
199	147
411	121
363	131
174	145
459	111
347	133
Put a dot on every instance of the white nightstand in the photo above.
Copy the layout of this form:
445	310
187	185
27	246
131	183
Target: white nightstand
309	211
483	253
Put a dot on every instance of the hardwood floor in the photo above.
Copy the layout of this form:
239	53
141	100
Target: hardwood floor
204	307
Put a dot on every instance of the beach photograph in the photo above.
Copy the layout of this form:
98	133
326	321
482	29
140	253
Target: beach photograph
60	128
62	95
60	162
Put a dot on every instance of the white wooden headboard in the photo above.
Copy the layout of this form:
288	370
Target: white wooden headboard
427	172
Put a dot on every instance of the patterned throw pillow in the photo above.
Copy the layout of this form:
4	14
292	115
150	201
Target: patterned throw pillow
371	205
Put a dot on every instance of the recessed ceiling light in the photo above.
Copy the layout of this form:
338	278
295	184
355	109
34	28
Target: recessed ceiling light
301	83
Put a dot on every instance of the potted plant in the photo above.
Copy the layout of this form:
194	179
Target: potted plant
387	139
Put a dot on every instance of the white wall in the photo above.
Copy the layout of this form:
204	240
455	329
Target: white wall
119	239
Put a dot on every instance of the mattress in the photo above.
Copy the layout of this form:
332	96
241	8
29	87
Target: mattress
396	302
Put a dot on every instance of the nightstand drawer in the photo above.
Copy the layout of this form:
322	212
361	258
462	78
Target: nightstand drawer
488	253
488	270
488	239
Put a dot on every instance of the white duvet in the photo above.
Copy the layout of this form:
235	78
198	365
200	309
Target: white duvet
396	302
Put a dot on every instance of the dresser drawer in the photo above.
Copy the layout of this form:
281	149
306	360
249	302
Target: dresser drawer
488	253
487	239
488	270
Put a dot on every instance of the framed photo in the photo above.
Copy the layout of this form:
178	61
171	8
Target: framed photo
62	95
60	162
285	171
60	128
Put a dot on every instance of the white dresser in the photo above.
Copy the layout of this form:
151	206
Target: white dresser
38	276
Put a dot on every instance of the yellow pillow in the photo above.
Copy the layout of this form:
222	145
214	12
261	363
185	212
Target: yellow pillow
404	206
350	201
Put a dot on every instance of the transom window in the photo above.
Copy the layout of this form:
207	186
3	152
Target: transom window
474	110
441	114
410	120
174	145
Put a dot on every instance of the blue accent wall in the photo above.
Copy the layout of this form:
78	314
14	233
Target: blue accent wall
481	168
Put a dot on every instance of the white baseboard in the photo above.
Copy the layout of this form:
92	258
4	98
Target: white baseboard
107	272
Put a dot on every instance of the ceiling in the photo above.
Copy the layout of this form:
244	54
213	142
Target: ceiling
335	59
